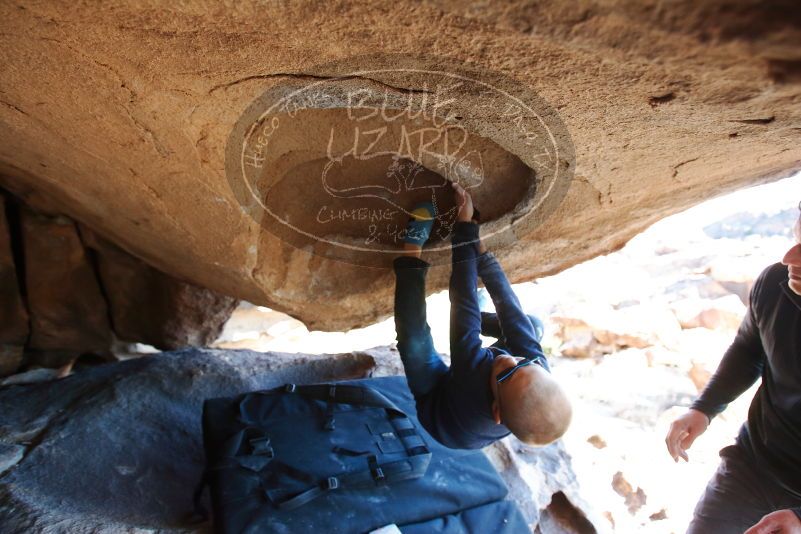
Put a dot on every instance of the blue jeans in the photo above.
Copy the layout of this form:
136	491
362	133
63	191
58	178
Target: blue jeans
491	327
422	363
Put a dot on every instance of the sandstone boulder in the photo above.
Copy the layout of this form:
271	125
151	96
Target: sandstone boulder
700	375
724	312
635	499
148	306
696	286
68	314
126	124
543	485
737	278
14	322
594	329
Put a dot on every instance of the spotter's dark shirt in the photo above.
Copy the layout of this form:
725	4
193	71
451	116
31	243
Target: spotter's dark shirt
767	347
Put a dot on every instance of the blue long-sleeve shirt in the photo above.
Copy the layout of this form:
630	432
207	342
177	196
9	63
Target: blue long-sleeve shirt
458	411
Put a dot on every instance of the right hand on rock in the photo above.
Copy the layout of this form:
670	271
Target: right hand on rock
683	432
465	203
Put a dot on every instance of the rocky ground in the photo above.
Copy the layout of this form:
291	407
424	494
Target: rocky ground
634	335
117	448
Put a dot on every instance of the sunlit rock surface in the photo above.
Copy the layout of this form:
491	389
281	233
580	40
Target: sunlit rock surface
120	115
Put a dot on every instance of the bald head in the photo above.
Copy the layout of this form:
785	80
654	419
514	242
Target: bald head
539	413
534	406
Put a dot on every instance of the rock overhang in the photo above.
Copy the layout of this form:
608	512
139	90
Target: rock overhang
125	126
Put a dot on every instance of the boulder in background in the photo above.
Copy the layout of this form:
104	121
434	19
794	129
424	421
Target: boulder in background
13	315
148	306
68	313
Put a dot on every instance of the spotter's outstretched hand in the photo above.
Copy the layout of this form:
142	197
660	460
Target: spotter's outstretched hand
683	432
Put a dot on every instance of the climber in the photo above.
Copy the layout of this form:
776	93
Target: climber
487	392
758	482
